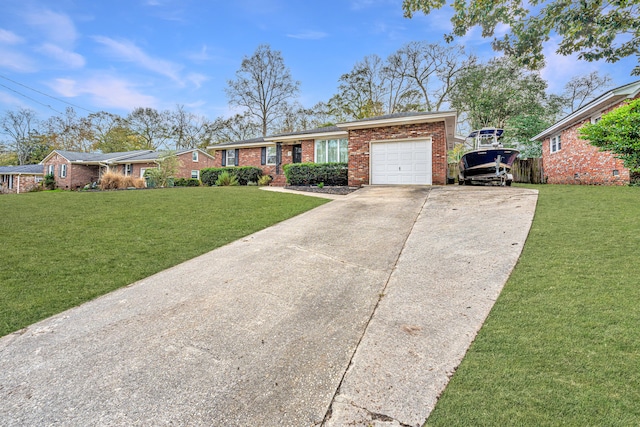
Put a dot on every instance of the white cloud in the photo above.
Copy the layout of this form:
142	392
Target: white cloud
106	91
197	79
129	52
68	58
58	28
10	38
308	35
8	99
16	61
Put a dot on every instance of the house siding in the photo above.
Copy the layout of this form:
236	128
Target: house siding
579	162
23	182
359	149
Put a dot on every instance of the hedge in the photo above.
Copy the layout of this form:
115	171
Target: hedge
186	182
315	173
209	176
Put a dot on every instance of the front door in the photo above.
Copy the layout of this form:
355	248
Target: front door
297	154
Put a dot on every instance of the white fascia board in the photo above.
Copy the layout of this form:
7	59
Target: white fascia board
306	136
42	162
407	120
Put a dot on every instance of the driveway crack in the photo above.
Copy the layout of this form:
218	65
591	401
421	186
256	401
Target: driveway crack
382	293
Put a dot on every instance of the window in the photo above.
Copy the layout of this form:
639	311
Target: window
271	155
194	156
231	158
127	169
63	171
142	171
331	151
51	170
556	144
39	179
596	119
195	174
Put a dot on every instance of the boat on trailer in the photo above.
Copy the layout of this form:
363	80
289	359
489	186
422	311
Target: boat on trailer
488	162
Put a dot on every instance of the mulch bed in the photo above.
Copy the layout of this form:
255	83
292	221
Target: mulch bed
326	189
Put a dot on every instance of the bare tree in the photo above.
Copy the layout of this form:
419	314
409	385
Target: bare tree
581	89
21	129
236	128
432	68
263	85
188	130
151	125
70	132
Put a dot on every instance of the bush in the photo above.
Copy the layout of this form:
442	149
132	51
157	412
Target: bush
116	181
50	182
225	178
244	174
265	180
186	182
315	173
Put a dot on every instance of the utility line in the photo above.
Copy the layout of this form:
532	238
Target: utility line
28	97
42	93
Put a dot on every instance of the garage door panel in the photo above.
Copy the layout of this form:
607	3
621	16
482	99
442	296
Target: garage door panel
406	162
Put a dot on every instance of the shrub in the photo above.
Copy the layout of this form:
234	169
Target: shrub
315	173
186	182
265	180
244	174
50	182
116	181
252	184
225	179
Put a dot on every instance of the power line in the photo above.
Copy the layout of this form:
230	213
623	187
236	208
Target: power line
42	93
28	97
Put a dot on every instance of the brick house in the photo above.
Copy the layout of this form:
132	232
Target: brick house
20	179
73	170
402	148
569	160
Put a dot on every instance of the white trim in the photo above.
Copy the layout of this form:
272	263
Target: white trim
404	120
274	155
558	145
307	136
234	146
226	159
197	174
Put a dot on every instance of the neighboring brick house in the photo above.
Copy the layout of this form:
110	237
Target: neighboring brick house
73	170
403	148
567	159
20	179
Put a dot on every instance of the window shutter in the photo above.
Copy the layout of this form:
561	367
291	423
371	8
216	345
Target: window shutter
237	156
278	157
224	158
263	156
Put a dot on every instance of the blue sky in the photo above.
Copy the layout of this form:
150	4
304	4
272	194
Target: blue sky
118	55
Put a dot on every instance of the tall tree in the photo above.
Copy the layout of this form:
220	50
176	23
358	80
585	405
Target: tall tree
432	69
263	86
21	128
70	132
491	94
594	29
188	130
581	89
153	126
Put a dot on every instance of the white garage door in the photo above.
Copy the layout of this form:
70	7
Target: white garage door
402	162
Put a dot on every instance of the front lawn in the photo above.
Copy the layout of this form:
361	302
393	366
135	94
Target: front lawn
562	343
60	249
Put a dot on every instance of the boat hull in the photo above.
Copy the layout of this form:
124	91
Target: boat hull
480	165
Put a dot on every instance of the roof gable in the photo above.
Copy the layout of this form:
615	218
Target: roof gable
595	106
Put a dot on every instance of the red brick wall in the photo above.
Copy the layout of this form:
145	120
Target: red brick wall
253	157
77	175
359	147
24	183
579	162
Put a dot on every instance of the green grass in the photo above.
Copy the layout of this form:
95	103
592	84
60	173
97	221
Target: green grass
562	343
60	249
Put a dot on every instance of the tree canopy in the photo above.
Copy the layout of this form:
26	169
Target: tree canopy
594	29
618	131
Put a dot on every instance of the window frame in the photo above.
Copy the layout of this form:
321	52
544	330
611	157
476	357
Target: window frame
555	143
194	156
339	150
197	174
128	169
63	170
233	158
273	155
51	170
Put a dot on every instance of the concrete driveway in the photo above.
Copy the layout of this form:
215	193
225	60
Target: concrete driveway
355	313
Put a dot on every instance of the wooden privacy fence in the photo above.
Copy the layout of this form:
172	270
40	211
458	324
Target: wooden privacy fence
526	171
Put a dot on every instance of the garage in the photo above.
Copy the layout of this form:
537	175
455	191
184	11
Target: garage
401	162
